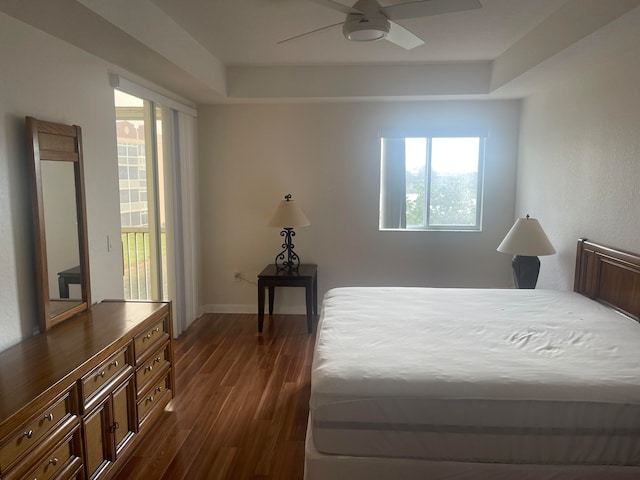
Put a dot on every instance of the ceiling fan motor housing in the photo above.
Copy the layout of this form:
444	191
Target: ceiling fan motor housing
365	28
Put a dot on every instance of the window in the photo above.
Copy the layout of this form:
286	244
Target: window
431	183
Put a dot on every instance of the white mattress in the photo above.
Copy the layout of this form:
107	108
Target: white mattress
509	376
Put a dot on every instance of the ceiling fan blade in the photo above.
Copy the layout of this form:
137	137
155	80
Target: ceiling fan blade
402	37
336	6
309	33
427	8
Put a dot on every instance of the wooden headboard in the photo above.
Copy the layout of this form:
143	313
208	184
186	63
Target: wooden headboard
609	276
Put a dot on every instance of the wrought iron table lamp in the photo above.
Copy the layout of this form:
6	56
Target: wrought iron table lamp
287	216
526	240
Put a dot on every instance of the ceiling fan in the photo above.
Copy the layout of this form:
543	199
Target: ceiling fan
367	20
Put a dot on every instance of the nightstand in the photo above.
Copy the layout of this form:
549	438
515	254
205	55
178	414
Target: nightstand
306	276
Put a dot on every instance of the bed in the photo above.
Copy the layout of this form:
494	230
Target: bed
481	384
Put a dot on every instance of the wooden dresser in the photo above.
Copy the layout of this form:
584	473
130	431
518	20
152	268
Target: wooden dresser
76	400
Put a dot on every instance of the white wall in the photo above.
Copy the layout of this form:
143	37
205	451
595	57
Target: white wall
327	156
579	164
50	80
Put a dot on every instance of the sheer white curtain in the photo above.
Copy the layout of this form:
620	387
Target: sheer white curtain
185	214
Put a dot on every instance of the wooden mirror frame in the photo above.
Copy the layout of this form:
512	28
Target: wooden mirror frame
61	143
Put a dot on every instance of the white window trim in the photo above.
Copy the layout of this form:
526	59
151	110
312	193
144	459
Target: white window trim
142	92
480	133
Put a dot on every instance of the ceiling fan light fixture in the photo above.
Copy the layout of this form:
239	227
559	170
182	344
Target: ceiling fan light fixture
366	30
368	21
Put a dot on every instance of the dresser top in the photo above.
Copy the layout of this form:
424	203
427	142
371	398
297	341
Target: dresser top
47	364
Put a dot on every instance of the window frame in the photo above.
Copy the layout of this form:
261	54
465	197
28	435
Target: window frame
477	226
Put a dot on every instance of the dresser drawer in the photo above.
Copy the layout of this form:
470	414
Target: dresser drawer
155	397
35	430
98	377
158	362
60	459
55	462
152	335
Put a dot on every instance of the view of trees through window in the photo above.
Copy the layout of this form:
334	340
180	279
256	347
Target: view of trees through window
442	182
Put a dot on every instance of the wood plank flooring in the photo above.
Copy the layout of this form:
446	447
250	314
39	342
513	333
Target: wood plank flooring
241	404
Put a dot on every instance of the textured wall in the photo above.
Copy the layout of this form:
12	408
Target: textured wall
48	79
579	164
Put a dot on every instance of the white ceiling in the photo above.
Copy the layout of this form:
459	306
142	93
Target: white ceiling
210	51
245	32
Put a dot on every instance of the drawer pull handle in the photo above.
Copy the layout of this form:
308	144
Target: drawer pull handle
54	461
157	360
115	426
150	398
115	363
28	434
156	330
101	375
149	368
147	336
49	416
158	389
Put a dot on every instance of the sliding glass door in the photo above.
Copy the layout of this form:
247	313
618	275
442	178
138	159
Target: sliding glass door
142	149
158	178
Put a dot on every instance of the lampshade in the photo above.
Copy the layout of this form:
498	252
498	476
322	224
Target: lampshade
526	238
288	215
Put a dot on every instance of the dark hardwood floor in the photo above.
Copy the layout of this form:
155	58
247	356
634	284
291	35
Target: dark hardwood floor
241	404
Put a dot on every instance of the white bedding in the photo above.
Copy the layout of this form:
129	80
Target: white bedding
509	376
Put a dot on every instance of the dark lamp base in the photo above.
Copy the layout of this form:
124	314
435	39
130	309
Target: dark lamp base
287	260
525	271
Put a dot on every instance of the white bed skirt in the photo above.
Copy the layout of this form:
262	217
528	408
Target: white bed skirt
319	466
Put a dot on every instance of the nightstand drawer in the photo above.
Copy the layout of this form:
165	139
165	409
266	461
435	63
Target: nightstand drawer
151	336
158	362
35	430
100	376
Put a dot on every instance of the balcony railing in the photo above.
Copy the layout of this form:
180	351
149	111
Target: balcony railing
137	262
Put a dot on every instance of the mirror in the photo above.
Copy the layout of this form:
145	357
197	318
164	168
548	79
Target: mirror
59	213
